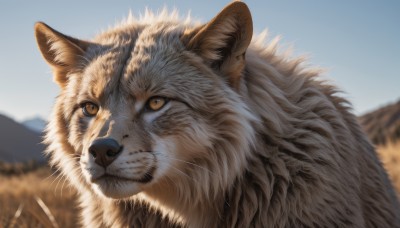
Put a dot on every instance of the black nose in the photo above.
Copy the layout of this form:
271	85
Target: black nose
105	151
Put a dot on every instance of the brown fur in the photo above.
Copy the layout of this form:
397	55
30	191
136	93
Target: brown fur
248	137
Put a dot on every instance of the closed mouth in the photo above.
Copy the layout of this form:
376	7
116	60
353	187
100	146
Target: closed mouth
147	177
109	177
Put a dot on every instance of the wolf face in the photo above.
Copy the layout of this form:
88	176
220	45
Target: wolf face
148	107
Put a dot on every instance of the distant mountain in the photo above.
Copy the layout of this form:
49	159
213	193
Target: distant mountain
383	124
36	124
18	143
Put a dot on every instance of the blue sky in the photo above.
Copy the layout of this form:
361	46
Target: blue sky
358	42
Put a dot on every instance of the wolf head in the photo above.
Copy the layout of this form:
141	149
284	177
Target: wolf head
152	106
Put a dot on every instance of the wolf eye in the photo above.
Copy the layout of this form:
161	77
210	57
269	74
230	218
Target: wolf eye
89	109
156	103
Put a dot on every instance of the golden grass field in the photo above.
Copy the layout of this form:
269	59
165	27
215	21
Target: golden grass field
20	194
36	198
390	157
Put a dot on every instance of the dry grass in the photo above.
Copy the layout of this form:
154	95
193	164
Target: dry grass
382	125
390	156
36	199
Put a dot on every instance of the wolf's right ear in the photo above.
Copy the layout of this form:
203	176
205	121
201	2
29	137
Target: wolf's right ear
223	41
62	52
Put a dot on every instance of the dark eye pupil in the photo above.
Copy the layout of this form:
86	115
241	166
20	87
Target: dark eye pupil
156	103
89	109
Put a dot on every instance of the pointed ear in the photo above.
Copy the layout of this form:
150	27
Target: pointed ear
61	52
223	42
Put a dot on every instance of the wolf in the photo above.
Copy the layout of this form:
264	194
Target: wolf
163	122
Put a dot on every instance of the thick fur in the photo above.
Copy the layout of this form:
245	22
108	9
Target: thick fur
249	137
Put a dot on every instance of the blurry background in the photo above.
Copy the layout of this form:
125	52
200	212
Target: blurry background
356	41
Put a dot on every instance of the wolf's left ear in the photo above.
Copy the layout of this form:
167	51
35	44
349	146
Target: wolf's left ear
223	42
61	52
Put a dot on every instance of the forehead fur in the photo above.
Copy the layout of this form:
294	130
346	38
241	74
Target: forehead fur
137	55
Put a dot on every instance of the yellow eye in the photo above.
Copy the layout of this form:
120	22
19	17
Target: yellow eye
89	109
156	103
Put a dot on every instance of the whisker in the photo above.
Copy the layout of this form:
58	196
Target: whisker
180	171
48	177
190	163
62	186
170	180
59	178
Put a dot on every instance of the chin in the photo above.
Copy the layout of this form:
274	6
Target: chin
116	189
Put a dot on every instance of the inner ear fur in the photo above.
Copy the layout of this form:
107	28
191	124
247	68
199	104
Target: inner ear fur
223	42
61	52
